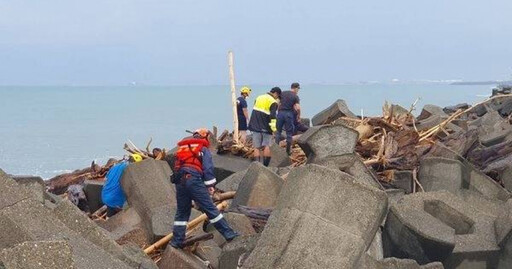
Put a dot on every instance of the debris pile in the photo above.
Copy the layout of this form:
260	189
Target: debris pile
395	191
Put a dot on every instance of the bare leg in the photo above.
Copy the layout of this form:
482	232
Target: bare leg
243	137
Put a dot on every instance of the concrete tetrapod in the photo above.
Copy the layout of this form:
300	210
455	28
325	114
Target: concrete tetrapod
327	140
324	219
351	164
38	254
439	226
332	113
452	175
259	187
149	191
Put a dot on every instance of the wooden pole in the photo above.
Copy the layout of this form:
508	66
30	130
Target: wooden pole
195	222
233	96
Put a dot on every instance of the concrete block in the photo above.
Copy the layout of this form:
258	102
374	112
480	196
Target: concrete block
149	191
78	222
180	259
333	112
453	109
209	251
431	110
404	181
238	222
439	226
351	164
331	230
232	182
227	164
437	174
126	226
493	129
454	176
260	187
34	183
503	229
279	156
12	192
38	254
327	140
92	190
29	220
235	252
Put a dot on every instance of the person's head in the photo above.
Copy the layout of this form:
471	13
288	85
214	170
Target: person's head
156	152
134	158
201	133
245	91
276	92
295	87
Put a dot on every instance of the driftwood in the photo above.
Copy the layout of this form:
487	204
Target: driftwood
219	197
257	216
198	238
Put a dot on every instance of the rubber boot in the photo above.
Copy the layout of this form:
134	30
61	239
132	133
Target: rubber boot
223	227
288	148
178	236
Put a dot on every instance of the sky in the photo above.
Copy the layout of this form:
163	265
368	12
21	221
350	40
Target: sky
166	42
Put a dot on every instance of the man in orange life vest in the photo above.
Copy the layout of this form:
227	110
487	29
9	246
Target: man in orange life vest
194	180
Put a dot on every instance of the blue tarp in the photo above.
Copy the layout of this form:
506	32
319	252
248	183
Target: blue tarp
112	194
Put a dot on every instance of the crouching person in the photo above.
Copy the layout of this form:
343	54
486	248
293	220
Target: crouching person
194	180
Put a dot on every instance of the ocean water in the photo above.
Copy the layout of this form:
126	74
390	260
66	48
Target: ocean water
50	130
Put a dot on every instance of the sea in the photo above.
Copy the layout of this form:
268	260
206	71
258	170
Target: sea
50	130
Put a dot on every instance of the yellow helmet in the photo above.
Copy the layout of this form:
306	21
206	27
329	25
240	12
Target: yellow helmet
245	90
136	157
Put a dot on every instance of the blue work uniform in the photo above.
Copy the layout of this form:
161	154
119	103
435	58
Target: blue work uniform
112	194
286	117
192	185
241	103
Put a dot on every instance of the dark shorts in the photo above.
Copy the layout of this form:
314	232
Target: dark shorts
242	124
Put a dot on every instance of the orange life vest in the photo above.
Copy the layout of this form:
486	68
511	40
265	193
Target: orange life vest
189	154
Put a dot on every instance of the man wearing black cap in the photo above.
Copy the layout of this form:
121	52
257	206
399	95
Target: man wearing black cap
288	112
263	124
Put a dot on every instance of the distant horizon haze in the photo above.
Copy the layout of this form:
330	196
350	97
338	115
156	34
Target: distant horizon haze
157	42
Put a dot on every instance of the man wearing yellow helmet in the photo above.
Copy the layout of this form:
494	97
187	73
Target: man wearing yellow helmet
243	114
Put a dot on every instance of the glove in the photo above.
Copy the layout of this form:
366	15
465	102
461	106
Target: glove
272	125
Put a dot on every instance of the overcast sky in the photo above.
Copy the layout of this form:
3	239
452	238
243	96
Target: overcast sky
166	42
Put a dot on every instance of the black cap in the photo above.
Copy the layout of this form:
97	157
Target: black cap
276	90
295	85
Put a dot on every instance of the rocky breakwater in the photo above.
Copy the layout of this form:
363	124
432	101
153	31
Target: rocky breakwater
393	191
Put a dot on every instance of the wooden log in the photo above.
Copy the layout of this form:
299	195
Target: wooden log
233	96
218	197
100	211
194	239
192	224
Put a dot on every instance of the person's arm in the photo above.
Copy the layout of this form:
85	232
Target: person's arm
296	106
273	119
208	169
246	114
245	111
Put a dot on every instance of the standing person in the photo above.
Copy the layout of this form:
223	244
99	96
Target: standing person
243	114
195	180
289	112
112	194
263	123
